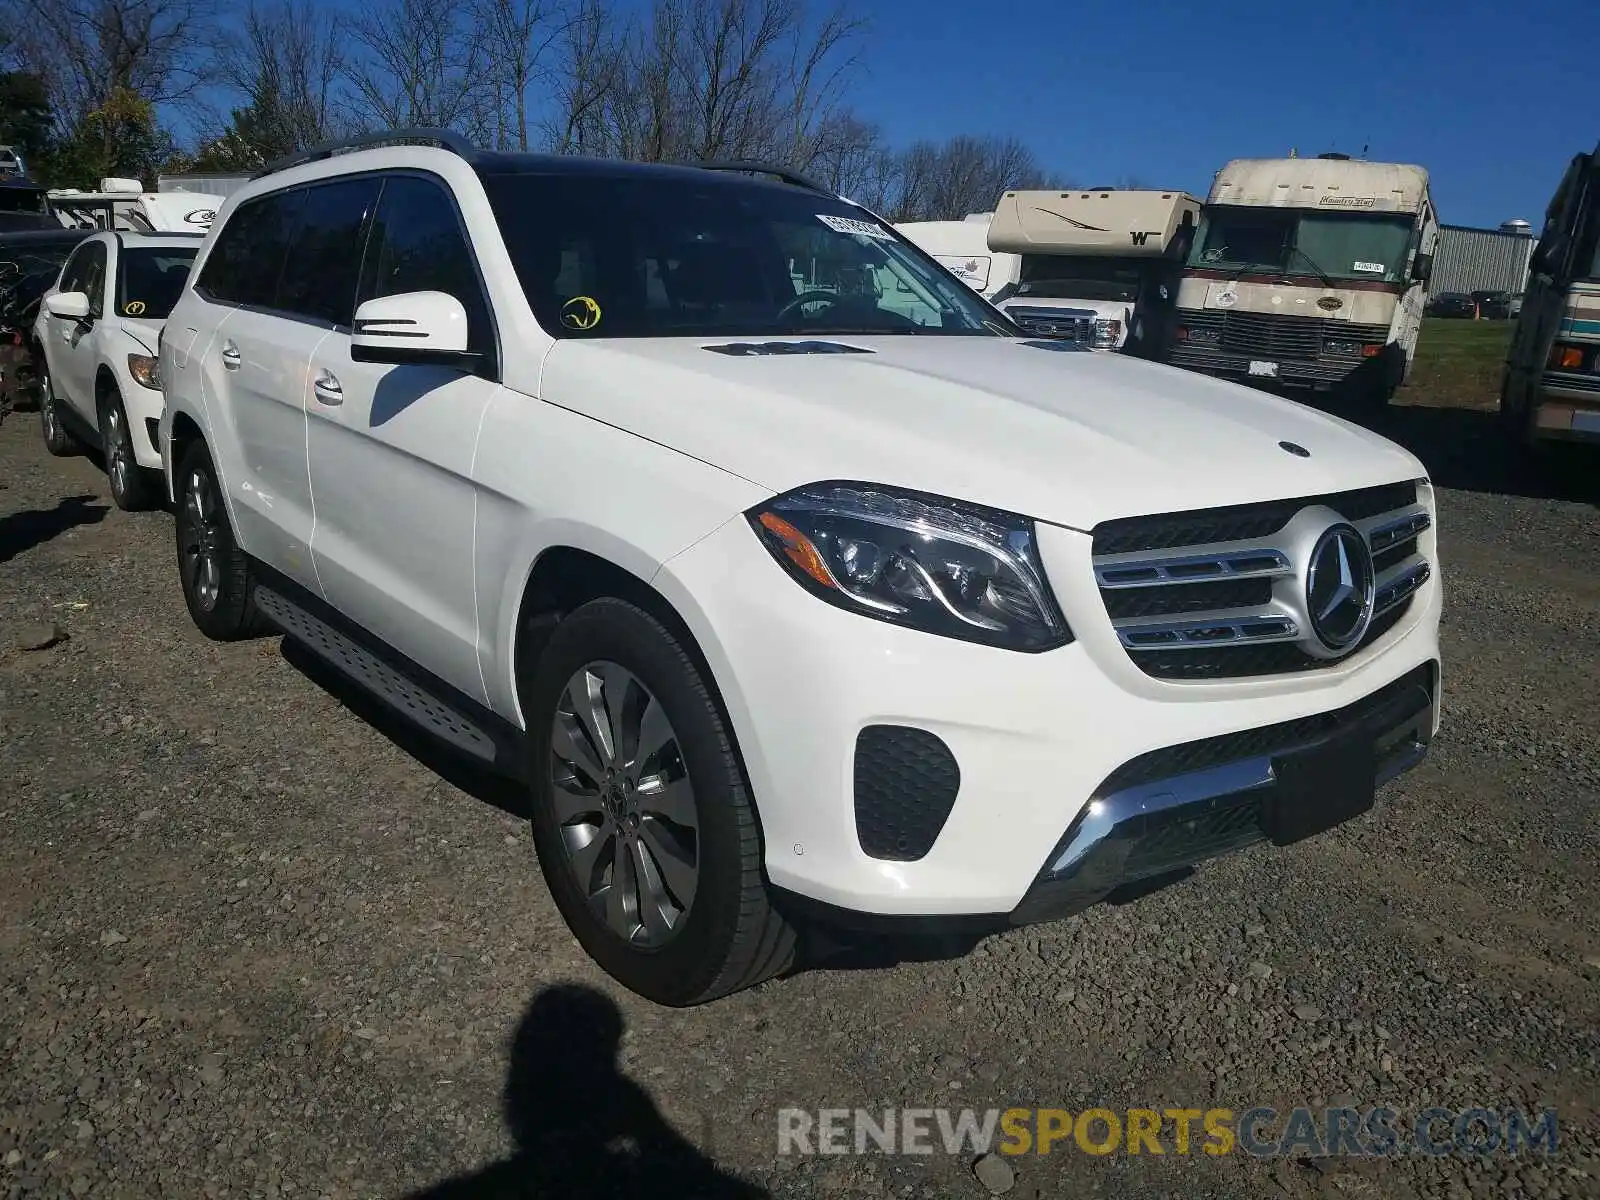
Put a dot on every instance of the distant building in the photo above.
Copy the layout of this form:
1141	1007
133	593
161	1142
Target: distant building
1481	260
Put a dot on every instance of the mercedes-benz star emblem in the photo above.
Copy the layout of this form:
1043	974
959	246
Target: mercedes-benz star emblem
1339	586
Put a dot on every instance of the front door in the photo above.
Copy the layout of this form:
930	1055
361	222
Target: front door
391	450
72	343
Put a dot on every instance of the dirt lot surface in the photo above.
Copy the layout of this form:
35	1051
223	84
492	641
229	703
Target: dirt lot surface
252	944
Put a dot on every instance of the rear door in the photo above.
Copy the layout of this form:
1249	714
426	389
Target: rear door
259	358
391	448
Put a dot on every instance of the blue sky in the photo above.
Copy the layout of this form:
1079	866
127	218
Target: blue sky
1493	99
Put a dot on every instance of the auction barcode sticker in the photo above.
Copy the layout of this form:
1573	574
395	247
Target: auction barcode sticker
852	225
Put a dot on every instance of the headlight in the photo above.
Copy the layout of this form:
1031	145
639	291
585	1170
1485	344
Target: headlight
941	566
1340	346
1201	337
1106	331
144	370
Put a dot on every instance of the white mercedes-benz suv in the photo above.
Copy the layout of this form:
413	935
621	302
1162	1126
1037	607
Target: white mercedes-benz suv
797	583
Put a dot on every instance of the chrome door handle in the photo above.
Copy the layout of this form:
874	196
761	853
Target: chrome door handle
327	389
231	357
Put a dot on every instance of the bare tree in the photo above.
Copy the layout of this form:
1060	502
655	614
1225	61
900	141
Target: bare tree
589	69
963	175
703	79
515	40
851	156
89	52
287	61
416	63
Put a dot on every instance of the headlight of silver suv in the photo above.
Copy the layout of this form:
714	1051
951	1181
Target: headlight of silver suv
941	566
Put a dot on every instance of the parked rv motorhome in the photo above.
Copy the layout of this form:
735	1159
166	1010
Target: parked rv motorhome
1551	386
963	248
122	204
1309	273
1107	256
1098	266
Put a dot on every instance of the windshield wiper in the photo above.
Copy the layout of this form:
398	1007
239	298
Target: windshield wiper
1327	280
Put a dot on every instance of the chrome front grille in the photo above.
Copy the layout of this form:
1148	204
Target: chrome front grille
1270	336
1222	593
1068	324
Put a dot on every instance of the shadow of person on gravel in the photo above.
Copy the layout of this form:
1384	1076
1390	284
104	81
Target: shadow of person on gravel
21	532
582	1128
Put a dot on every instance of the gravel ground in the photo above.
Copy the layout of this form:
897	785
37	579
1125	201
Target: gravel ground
252	943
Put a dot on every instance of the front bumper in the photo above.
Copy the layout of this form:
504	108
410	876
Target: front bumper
1569	407
1037	749
1166	811
1319	374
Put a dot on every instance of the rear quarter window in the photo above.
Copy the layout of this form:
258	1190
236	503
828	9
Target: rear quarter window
246	264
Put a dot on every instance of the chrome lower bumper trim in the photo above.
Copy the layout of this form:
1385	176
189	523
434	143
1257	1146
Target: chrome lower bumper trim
1169	822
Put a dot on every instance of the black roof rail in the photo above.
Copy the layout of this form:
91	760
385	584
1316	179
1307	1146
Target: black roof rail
759	168
445	139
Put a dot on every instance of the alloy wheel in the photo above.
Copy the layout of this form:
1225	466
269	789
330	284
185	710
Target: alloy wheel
119	455
624	804
200	541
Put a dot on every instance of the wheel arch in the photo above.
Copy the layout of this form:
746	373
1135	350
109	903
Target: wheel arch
566	575
186	431
105	382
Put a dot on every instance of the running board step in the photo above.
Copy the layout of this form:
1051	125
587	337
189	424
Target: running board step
366	669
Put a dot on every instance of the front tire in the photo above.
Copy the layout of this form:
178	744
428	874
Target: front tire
133	488
58	439
218	585
643	822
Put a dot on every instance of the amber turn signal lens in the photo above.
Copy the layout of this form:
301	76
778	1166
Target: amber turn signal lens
798	549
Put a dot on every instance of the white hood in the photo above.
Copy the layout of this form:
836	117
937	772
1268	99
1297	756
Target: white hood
1065	436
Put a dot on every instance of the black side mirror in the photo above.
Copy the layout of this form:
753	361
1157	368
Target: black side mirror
1422	268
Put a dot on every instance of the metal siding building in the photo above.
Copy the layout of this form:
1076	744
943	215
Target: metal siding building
1472	260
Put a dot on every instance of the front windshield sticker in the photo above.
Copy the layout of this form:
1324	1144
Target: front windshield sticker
580	313
133	308
852	225
1373	268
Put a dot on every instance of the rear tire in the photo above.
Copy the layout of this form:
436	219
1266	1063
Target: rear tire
659	770
58	440
133	488
218	584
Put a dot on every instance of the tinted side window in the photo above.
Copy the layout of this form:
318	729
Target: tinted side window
244	265
417	246
72	269
92	276
325	252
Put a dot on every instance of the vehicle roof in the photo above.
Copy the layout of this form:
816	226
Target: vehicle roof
1329	185
498	163
133	239
20	181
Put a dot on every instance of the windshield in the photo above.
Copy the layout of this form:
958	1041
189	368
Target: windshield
1304	242
657	256
1074	277
150	279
